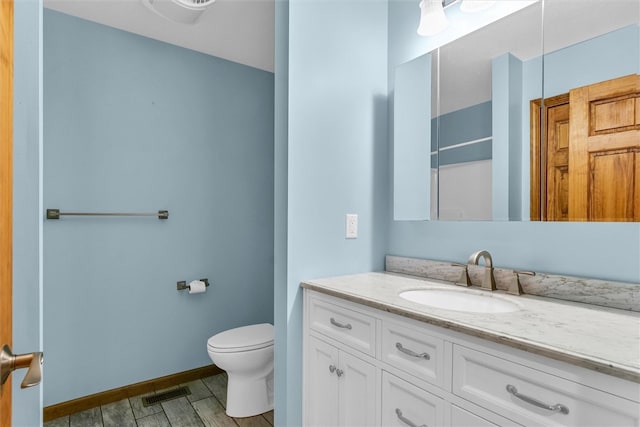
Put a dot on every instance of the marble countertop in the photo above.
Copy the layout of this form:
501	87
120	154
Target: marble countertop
598	338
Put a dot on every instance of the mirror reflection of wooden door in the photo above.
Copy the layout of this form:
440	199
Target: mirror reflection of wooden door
586	166
604	151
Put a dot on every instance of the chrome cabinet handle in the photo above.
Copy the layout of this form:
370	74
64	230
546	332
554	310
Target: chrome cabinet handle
407	421
535	402
9	362
339	372
332	368
412	353
340	325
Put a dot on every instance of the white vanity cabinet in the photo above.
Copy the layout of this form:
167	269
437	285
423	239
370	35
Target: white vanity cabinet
365	366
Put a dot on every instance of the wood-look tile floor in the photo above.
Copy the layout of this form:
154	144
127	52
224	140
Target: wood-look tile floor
205	406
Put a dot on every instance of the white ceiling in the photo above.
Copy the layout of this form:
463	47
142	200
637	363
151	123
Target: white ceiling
237	30
243	31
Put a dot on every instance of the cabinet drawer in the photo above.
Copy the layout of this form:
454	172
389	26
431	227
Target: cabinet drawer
527	395
413	351
352	328
404	403
462	418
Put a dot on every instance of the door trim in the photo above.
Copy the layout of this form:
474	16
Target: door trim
538	147
6	194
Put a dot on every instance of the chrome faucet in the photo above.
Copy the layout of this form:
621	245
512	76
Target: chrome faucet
489	282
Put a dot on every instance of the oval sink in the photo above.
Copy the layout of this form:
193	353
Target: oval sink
459	301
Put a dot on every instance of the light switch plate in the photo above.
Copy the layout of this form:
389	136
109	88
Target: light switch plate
352	226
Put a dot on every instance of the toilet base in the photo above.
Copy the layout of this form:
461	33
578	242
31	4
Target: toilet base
247	397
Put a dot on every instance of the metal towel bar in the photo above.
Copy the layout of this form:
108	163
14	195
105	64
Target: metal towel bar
56	214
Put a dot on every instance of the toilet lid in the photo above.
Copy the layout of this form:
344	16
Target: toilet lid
245	338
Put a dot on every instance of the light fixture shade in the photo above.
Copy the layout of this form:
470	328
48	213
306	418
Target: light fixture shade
182	11
432	18
470	6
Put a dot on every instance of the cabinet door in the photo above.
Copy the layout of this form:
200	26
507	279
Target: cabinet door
405	405
357	392
321	384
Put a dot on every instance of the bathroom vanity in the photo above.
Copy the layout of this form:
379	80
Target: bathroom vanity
373	358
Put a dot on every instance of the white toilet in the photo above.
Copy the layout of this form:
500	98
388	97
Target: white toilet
246	353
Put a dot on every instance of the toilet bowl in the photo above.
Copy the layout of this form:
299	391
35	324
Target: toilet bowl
246	354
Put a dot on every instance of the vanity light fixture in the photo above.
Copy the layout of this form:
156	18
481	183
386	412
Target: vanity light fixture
182	11
432	17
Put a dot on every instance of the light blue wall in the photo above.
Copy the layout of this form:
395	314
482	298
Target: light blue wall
446	132
27	203
617	53
132	124
337	159
601	250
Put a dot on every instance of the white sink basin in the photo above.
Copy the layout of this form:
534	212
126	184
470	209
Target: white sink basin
459	300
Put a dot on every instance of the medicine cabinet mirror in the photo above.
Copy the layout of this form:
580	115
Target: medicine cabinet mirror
536	116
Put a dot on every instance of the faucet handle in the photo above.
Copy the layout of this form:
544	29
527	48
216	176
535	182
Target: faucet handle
515	288
464	279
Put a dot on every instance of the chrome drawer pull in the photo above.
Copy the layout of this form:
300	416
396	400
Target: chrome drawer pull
339	372
340	325
332	368
535	402
407	421
412	353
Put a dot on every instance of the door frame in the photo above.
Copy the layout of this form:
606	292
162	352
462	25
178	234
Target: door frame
538	147
28	218
6	195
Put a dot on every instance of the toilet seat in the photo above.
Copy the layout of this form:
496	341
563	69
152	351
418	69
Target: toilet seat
245	338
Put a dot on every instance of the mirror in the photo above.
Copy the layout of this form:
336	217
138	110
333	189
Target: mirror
485	164
484	82
585	164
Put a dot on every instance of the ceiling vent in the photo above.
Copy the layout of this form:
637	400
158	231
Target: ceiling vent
182	11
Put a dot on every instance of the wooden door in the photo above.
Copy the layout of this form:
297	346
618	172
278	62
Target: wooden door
557	163
6	192
585	164
604	151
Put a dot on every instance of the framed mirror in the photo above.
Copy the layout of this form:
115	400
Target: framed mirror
499	97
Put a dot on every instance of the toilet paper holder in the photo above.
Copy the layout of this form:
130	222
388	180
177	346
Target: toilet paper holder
182	284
